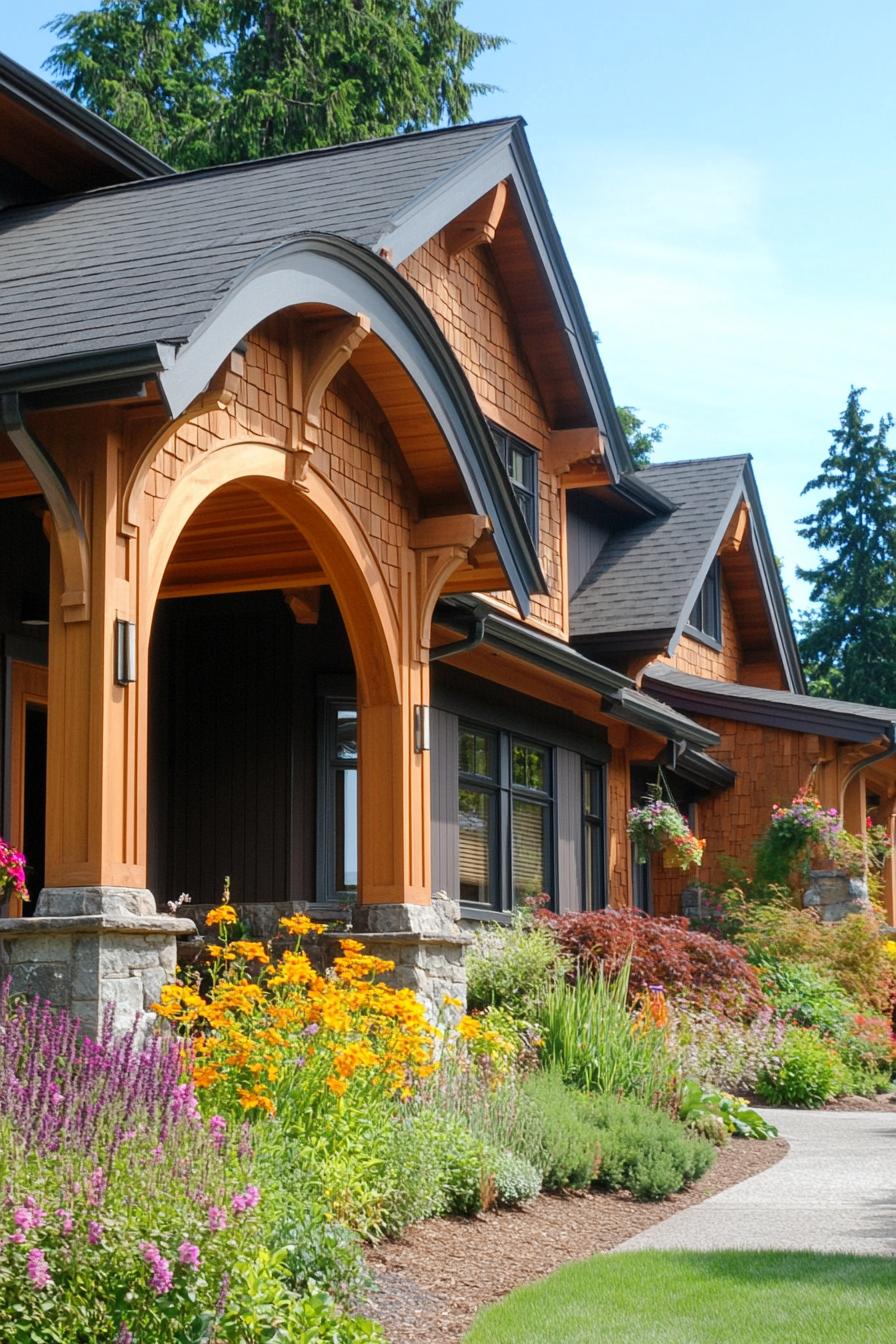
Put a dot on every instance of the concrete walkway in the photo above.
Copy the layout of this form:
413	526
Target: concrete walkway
834	1191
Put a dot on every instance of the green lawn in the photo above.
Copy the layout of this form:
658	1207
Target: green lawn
723	1297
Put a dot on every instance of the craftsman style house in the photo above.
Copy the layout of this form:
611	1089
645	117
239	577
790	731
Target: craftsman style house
324	564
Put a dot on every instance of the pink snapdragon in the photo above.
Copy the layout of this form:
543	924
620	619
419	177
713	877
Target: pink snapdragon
247	1200
38	1269
161	1279
217	1219
188	1254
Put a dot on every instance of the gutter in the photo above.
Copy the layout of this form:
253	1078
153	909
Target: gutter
620	697
861	766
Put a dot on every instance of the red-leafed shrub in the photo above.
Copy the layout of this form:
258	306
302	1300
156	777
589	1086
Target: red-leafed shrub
690	966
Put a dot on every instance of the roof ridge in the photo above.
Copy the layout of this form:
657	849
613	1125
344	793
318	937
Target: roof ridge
694	461
249	165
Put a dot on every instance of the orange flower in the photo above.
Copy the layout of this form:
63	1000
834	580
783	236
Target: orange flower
222	914
338	1086
299	925
256	1099
206	1075
251	951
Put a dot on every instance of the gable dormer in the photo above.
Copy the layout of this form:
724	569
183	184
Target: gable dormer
51	146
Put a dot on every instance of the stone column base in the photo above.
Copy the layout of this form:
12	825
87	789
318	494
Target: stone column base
87	947
425	942
835	895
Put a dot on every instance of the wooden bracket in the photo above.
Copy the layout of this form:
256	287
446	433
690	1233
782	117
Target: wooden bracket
442	545
304	603
572	447
478	223
220	395
737	529
318	352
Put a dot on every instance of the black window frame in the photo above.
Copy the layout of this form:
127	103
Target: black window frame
505	790
334	695
705	619
525	491
594	837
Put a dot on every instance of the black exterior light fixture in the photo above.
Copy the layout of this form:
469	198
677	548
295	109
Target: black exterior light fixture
125	653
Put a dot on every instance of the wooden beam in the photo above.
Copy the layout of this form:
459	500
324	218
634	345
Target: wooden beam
571	447
16	480
737	529
264	583
456	529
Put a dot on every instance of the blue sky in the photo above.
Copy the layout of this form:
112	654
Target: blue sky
722	177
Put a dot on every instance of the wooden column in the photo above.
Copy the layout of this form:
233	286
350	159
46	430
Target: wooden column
619	866
96	738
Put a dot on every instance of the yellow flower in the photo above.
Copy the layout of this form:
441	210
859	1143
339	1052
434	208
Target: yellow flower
449	1002
255	1099
251	951
469	1028
338	1086
299	925
222	914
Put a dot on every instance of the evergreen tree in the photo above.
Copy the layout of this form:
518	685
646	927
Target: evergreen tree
848	642
200	82
642	439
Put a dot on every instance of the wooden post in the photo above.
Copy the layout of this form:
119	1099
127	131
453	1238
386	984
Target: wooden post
96	738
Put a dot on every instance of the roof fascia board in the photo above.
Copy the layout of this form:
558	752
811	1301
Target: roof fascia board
773	589
422	218
621	699
711	552
321	268
795	718
141	361
109	144
509	156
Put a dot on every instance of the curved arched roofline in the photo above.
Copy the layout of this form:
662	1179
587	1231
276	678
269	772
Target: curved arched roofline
321	268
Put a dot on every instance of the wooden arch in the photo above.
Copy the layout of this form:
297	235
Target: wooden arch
330	528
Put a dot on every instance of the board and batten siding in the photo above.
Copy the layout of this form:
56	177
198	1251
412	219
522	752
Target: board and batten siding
568	814
443	786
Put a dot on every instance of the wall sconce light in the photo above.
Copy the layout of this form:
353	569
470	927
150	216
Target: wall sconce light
125	653
421	728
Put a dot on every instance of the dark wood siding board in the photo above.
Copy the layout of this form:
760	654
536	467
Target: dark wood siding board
586	535
443	794
568	766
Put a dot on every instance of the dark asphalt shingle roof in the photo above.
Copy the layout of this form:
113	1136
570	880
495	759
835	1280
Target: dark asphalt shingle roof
146	261
665	680
643	576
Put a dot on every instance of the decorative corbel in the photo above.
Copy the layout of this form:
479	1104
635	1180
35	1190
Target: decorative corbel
567	448
478	223
71	533
304	603
736	532
317	353
220	395
442	545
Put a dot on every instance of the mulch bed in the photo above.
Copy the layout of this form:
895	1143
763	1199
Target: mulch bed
432	1280
886	1101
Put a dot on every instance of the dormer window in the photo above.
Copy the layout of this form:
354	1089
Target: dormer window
706	616
521	464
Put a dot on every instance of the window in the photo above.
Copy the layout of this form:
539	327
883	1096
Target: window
505	818
594	865
337	823
521	464
706	616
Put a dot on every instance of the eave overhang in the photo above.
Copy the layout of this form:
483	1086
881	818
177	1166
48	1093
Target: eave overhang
620	697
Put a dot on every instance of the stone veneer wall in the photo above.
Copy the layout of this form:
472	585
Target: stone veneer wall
93	950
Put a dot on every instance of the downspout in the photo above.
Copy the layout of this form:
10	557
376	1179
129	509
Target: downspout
472	641
860	766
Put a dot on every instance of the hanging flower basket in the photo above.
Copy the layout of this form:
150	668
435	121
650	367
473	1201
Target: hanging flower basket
654	825
684	852
12	877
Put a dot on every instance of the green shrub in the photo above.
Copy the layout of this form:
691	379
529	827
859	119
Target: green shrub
699	1107
321	1254
516	1178
807	996
807	1072
599	1044
645	1151
562	1141
513	966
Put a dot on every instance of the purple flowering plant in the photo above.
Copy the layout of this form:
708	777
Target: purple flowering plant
121	1209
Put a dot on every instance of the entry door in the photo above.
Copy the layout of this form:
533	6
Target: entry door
28	773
